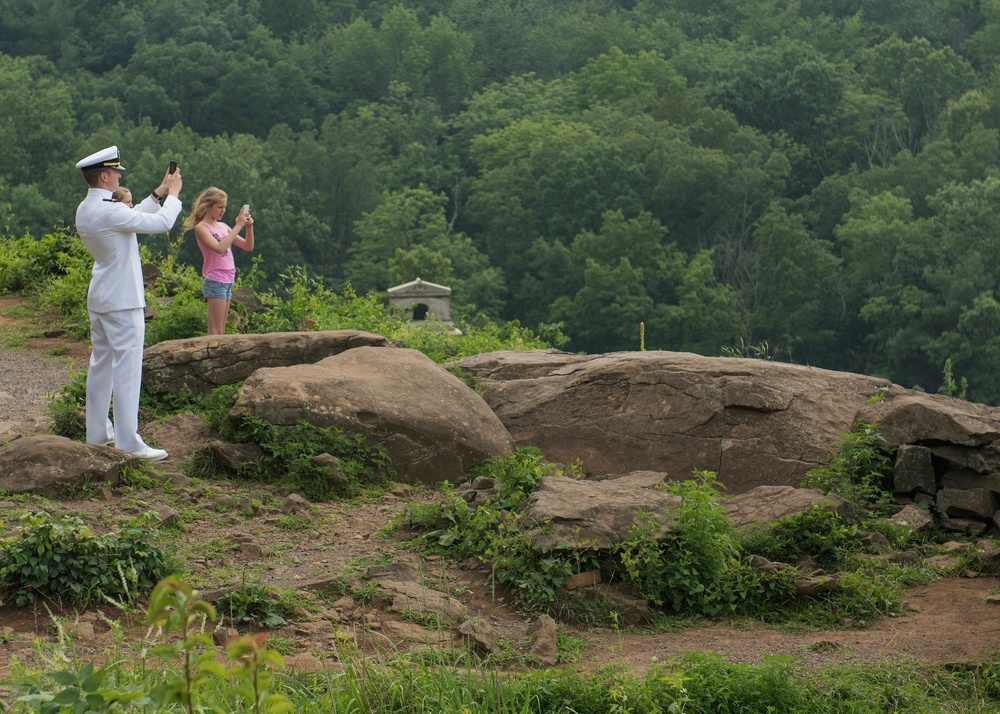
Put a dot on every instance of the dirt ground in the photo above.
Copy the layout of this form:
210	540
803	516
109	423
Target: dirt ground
225	546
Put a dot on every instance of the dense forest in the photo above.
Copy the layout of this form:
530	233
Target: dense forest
813	181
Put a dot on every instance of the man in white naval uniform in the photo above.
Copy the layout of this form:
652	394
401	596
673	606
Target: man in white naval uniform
116	297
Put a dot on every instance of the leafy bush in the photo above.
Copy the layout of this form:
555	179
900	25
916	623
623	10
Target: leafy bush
190	677
28	265
255	604
63	559
182	317
289	458
214	408
816	533
66	410
302	302
492	532
686	569
859	471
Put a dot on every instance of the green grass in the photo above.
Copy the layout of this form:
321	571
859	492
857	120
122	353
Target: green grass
452	682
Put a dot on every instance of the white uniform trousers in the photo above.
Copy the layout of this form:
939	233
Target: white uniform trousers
115	370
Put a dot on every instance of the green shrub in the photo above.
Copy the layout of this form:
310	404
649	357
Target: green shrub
28	265
63	559
686	569
492	532
859	471
816	533
66	293
214	408
288	458
180	318
66	410
253	604
308	304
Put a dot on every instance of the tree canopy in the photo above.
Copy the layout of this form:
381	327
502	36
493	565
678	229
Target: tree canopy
816	181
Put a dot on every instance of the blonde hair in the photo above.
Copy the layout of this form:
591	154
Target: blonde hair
119	193
211	196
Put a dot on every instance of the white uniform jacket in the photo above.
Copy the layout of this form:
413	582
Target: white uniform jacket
108	230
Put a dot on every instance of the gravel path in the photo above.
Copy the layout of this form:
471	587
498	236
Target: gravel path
28	380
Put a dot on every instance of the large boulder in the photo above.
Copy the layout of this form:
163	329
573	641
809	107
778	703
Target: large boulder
55	465
433	426
753	422
200	364
565	512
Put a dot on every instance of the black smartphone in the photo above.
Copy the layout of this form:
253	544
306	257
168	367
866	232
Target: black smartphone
173	167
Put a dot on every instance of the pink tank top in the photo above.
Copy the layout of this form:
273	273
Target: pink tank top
219	267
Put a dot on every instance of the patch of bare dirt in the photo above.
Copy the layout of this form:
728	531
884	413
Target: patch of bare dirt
228	541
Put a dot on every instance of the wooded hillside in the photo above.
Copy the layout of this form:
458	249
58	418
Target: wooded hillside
814	180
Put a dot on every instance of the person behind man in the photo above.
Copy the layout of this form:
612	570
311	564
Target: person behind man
116	297
122	194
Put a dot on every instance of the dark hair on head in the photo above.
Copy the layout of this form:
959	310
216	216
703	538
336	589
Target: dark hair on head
92	175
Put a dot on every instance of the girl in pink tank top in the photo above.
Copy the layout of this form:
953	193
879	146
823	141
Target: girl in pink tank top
216	241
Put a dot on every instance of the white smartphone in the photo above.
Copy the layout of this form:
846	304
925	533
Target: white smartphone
246	209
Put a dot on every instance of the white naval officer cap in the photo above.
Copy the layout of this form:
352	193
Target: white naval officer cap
105	158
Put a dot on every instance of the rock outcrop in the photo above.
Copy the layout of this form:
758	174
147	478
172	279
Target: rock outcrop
55	465
433	426
753	422
947	452
200	364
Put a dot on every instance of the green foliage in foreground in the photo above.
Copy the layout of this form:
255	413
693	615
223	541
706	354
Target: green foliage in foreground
700	568
63	559
191	677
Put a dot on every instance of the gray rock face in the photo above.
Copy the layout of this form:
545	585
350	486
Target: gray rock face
200	364
52	464
914	470
753	422
566	513
765	504
967	503
432	425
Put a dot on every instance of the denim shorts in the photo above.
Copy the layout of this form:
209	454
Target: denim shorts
215	289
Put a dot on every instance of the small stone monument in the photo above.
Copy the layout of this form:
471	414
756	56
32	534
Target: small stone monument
429	304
